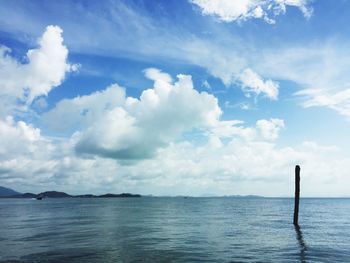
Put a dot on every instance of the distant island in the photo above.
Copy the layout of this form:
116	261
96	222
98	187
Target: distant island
9	193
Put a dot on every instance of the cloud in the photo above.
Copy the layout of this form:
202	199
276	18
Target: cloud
25	155
237	166
338	101
45	68
321	66
233	128
245	167
270	129
70	115
216	167
230	11
157	75
233	157
264	130
224	56
20	137
109	124
319	70
240	160
251	82
115	126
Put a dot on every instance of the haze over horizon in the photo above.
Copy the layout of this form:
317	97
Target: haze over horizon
181	97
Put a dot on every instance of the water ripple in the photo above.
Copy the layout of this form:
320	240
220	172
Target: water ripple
173	230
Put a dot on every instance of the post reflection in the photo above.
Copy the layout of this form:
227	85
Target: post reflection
302	244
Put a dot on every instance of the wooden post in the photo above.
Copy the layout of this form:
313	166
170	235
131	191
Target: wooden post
297	195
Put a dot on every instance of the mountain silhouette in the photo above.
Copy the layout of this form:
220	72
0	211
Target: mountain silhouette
7	192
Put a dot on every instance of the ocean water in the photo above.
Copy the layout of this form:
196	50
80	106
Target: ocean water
174	230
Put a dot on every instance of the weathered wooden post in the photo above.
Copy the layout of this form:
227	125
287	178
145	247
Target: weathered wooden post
297	195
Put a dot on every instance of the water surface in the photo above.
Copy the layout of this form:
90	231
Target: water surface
173	230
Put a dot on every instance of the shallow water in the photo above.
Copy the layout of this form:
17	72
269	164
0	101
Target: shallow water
174	230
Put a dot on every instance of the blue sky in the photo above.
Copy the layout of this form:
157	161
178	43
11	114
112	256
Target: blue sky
175	97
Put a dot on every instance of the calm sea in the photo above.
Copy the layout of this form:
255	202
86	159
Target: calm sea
173	230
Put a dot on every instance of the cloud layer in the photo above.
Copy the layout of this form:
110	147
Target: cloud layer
338	100
45	68
243	160
172	139
252	83
230	11
233	157
115	126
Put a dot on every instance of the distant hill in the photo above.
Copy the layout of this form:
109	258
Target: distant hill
107	195
9	193
118	195
86	196
27	195
4	192
54	194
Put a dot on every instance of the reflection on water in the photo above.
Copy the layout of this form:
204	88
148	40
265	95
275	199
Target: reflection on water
173	230
302	244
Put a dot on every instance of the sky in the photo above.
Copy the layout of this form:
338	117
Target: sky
175	97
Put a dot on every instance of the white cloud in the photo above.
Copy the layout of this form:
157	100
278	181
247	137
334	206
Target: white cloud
252	83
264	130
240	10
82	111
231	64
320	71
234	159
157	75
338	101
109	124
18	137
116	126
225	56
207	85
238	166
25	155
270	129
44	69
233	128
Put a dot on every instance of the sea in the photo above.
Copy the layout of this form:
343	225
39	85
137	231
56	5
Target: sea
174	229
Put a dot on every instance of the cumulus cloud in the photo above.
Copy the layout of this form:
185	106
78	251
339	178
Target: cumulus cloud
45	68
109	124
264	130
252	83
243	160
245	167
157	75
238	166
116	126
20	137
234	157
270	129
230	11
233	128
70	115
224	56
25	155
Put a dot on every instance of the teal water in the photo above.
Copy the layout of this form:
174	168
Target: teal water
173	230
